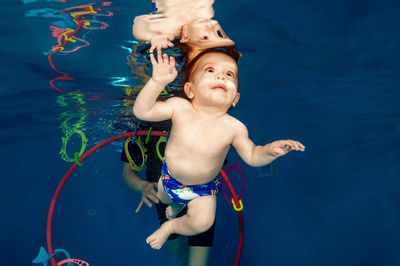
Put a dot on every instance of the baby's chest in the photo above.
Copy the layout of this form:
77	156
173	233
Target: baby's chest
206	135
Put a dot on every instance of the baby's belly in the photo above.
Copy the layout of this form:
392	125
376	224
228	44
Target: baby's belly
194	158
192	170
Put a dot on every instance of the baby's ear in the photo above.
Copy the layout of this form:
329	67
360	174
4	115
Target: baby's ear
184	37
236	100
188	88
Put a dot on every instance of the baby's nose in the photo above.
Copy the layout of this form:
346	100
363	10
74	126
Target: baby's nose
220	76
220	34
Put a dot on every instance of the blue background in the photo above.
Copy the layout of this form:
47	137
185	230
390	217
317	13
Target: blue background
325	73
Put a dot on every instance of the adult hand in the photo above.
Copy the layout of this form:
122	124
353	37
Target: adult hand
149	193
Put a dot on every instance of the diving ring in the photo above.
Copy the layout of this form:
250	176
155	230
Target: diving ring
63	150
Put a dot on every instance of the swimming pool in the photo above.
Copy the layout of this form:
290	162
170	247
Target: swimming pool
326	74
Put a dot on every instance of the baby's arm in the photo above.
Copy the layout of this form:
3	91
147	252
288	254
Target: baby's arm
146	106
261	155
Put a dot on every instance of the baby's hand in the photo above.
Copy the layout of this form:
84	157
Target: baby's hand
161	41
164	70
281	147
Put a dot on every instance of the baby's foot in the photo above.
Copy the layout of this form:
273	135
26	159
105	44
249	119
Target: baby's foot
157	239
173	210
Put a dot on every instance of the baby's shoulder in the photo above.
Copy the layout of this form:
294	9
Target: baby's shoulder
177	100
179	103
234	123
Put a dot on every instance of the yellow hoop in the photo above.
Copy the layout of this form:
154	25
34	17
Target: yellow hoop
143	150
160	140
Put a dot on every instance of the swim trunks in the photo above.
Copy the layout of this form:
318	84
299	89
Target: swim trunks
180	193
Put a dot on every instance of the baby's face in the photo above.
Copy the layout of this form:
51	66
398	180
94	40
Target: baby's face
214	81
206	33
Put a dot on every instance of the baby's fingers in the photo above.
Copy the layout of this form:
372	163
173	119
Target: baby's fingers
155	46
171	61
153	59
159	56
165	58
170	37
299	146
295	145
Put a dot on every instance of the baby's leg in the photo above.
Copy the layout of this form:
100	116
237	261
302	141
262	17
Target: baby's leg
200	216
174	208
162	195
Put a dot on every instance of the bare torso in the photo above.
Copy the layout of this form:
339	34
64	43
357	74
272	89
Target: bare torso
173	14
198	144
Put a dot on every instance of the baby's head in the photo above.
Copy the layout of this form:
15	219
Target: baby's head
212	78
201	34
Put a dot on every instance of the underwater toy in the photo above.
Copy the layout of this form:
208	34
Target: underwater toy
43	257
63	150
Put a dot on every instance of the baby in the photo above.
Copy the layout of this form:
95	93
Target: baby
189	21
201	135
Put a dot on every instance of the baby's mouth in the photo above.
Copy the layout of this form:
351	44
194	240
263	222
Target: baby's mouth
219	86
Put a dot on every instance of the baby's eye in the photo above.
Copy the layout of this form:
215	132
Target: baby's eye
230	74
210	70
204	37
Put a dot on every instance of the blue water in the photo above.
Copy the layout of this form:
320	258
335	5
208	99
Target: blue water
324	73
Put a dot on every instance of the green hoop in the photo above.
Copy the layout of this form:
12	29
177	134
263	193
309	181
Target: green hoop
63	150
